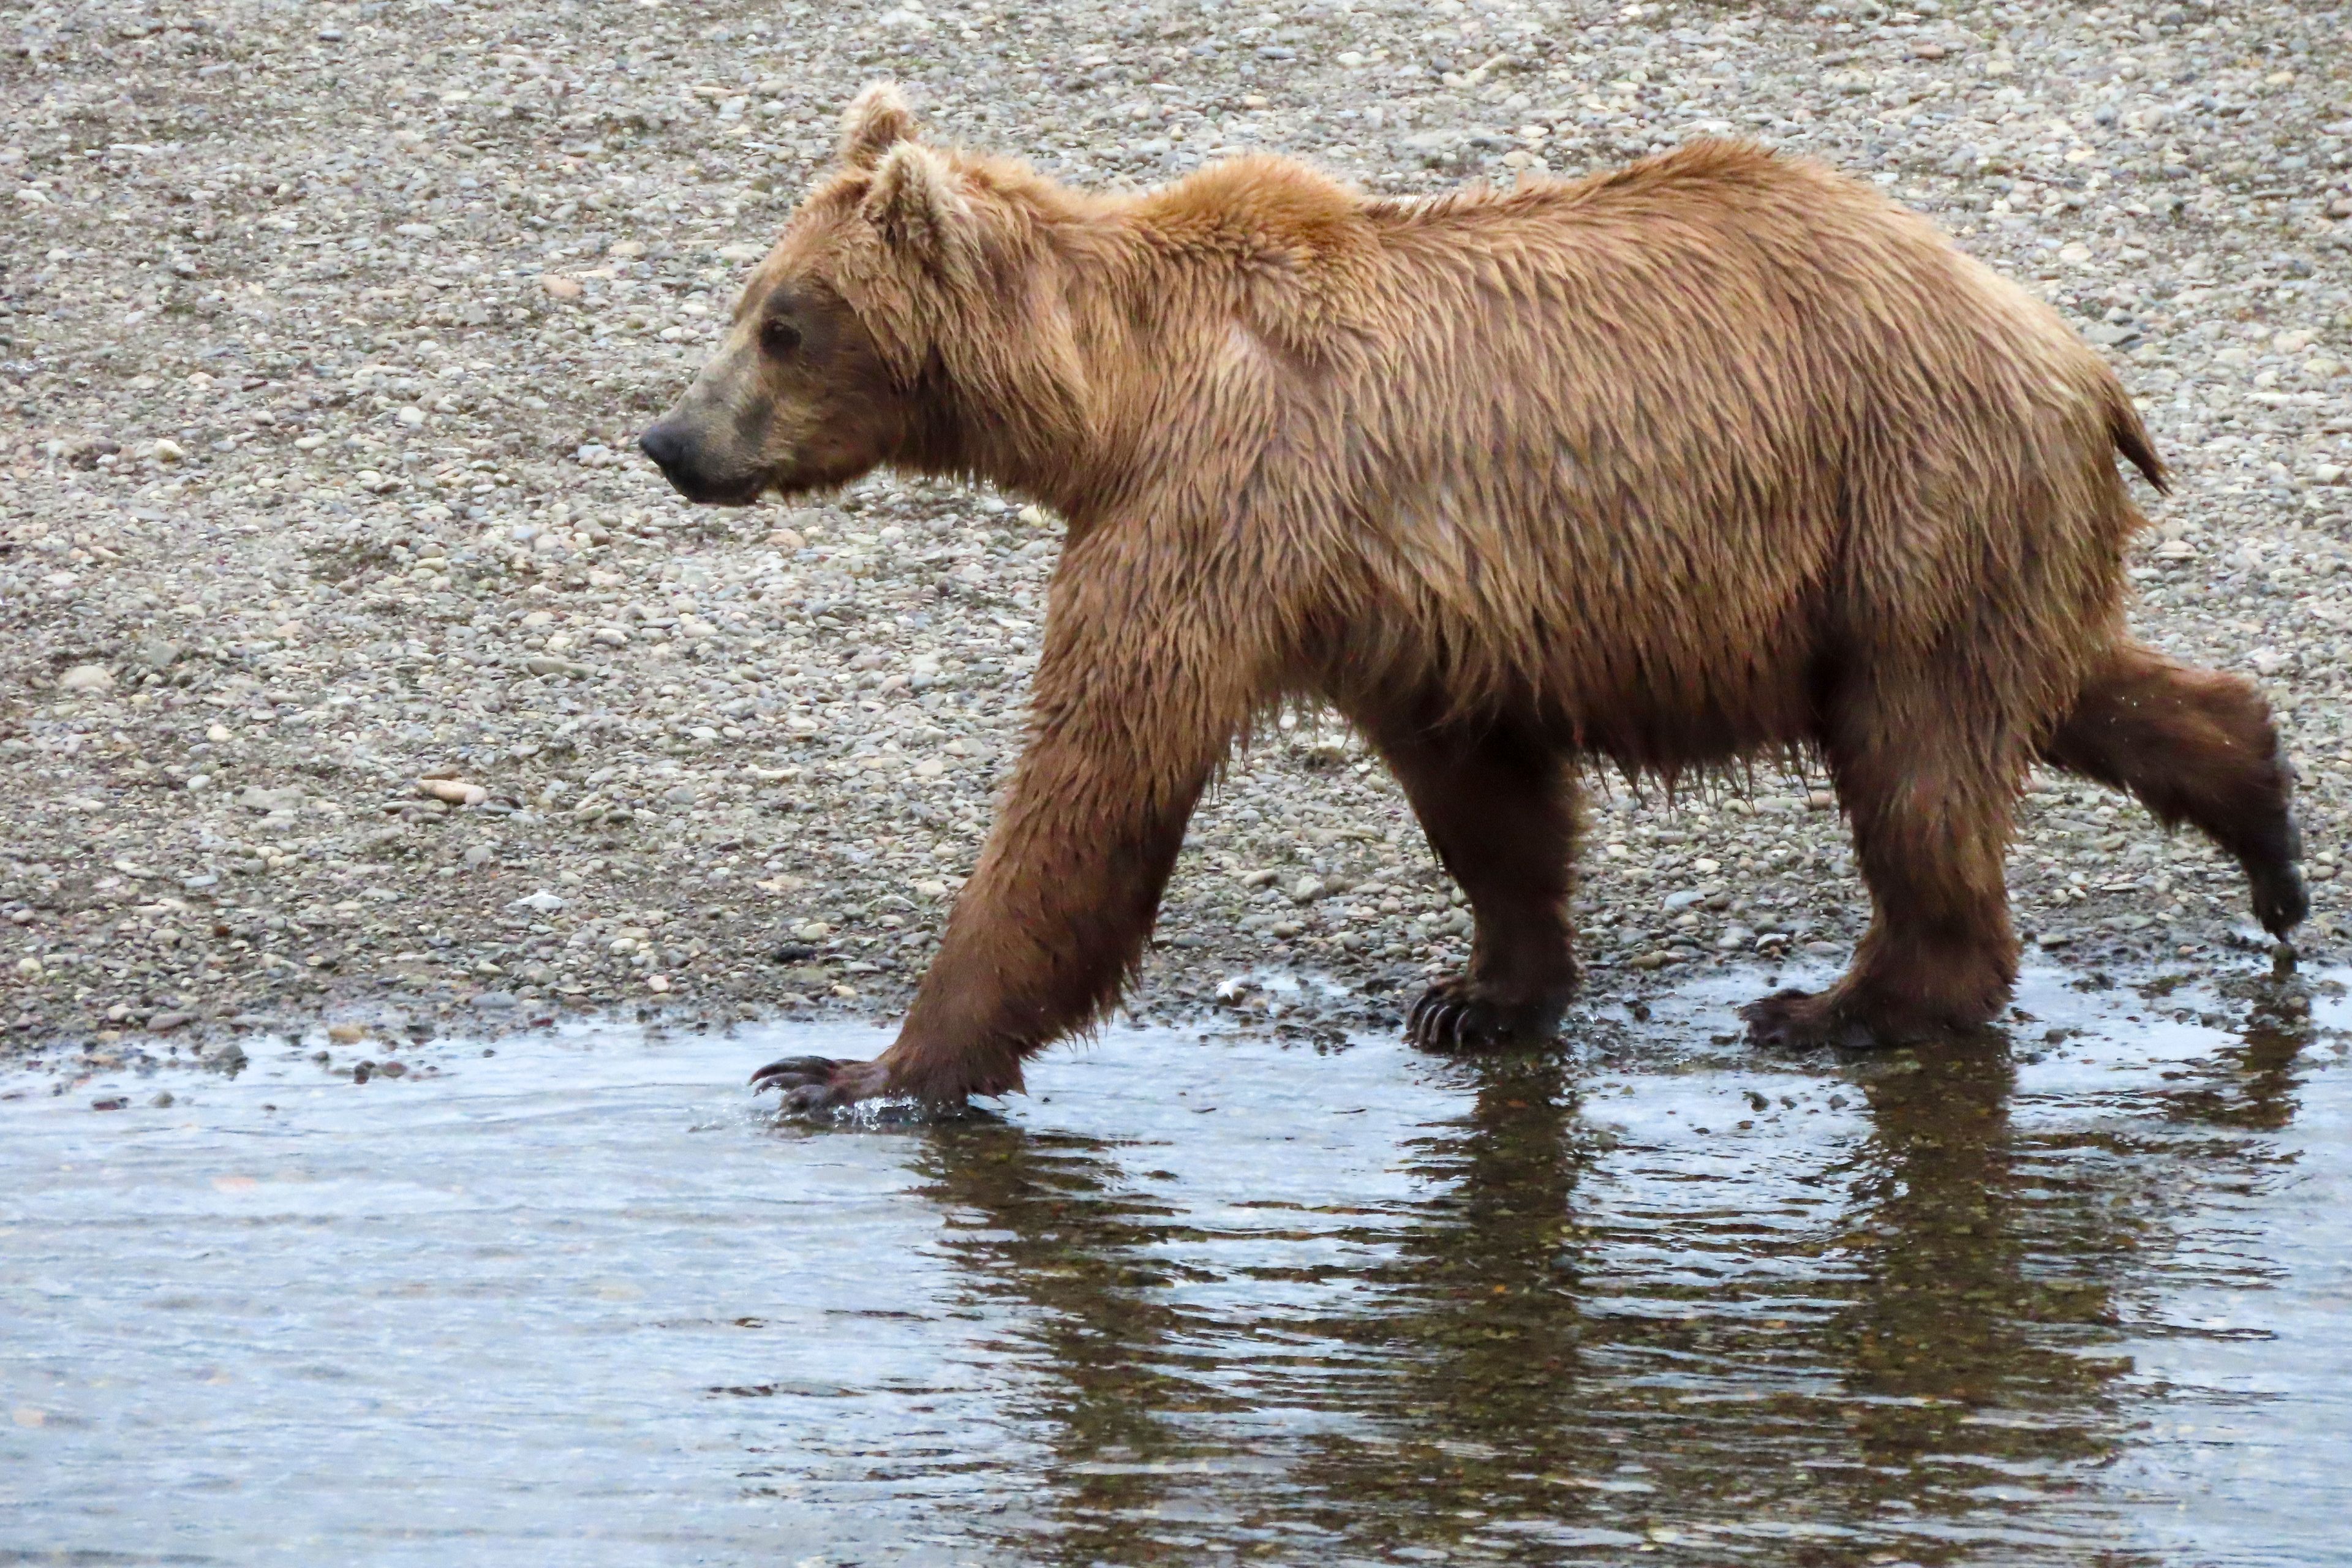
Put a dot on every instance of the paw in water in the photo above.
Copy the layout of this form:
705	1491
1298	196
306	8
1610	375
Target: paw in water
1800	1021
1456	1013
821	1083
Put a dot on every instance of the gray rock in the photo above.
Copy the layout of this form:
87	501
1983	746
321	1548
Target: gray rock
287	798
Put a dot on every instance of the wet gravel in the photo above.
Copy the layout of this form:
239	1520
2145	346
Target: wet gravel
353	665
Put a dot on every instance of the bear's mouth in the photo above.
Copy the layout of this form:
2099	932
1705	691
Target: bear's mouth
703	488
743	493
707	490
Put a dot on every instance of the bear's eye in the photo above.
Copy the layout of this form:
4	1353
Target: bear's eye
778	335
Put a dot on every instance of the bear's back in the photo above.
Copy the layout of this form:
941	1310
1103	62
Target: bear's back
1763	252
1718	377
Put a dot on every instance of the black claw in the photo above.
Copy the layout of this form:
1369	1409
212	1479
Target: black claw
1455	1014
793	1072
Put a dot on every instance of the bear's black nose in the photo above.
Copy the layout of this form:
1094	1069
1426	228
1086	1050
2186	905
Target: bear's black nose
663	442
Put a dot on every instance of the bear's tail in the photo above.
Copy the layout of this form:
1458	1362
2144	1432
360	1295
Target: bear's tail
2131	440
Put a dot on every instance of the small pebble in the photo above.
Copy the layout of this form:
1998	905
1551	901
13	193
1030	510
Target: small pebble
456	792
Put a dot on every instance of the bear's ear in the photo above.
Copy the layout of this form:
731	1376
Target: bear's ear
875	121
916	205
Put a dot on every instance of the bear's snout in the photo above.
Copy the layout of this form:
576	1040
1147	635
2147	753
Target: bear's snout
685	462
664	443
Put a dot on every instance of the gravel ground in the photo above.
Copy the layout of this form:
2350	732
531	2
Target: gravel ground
356	669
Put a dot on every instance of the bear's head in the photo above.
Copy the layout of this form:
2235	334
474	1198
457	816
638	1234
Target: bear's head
907	315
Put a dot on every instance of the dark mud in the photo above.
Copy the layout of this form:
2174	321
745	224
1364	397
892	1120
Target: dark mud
2075	1294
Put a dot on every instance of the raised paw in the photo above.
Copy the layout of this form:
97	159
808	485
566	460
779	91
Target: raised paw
821	1083
1800	1021
2281	899
1455	1014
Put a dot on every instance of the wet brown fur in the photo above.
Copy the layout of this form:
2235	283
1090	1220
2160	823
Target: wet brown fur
1719	455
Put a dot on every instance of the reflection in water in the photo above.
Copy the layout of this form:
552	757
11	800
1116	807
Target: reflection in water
1980	1304
1044	1219
1781	1333
2074	1296
2250	1082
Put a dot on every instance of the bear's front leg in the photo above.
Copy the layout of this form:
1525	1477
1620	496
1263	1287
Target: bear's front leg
1055	916
1134	708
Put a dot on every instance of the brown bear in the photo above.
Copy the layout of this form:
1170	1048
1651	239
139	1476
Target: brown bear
1716	454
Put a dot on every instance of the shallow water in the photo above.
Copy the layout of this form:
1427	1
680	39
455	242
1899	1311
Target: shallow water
2081	1301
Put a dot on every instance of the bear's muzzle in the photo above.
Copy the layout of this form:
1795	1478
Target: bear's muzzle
684	463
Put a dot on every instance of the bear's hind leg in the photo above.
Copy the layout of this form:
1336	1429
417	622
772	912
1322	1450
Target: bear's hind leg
1500	809
2195	746
1930	798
